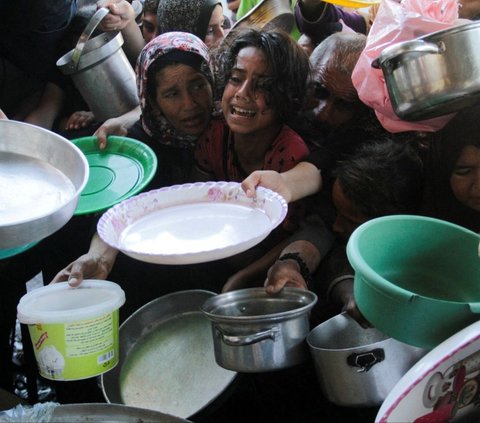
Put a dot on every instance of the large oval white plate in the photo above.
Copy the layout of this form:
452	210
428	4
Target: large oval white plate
191	223
441	387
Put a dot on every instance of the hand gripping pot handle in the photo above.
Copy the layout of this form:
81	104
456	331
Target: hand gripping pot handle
86	34
242	340
366	360
418	47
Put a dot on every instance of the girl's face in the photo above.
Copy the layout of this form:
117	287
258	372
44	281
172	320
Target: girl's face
245	103
149	26
185	98
215	32
465	178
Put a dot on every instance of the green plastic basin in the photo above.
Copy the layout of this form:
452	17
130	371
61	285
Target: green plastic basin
417	279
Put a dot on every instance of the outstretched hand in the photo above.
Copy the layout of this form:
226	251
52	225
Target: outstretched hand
87	266
266	178
284	273
111	126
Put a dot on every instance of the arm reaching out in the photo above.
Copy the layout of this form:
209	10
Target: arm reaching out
303	180
96	264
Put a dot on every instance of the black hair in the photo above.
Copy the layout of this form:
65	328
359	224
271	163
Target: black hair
289	64
383	177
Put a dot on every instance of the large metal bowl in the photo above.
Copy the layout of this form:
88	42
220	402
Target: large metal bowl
167	362
100	413
41	177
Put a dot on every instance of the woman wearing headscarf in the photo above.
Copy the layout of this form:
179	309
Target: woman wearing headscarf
452	172
203	18
166	124
176	97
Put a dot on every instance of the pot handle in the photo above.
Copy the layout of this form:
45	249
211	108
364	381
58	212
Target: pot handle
242	340
87	32
419	47
366	360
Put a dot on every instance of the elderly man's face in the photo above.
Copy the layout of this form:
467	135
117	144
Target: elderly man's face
333	100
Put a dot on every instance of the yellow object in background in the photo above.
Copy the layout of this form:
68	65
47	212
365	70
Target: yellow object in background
354	4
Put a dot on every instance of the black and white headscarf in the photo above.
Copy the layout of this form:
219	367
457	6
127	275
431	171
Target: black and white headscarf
185	15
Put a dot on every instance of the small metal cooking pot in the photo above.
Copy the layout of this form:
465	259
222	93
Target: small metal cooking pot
255	332
358	367
433	75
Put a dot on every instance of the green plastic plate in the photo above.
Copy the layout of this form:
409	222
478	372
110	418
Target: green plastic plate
123	169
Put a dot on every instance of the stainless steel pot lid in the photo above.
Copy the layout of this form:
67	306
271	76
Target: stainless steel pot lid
254	305
395	50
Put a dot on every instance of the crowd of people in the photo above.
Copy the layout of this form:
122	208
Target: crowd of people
262	108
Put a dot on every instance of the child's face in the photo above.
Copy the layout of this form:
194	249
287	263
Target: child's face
245	103
465	179
149	26
349	217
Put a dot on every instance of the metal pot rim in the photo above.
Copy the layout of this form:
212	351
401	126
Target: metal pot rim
306	300
394	50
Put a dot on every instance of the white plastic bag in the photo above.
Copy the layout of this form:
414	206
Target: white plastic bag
40	412
396	22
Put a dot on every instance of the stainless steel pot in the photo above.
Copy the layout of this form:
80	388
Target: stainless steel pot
101	71
256	332
358	367
433	75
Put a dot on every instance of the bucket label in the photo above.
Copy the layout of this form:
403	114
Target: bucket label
76	350
89	337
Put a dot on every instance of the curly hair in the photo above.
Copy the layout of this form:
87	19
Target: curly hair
288	62
383	177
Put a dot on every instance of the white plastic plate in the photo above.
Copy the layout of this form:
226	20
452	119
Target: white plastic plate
441	387
191	223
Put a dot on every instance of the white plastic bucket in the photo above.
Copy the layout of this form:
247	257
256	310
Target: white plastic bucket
74	331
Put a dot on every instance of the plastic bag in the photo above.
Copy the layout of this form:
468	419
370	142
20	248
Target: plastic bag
40	412
396	22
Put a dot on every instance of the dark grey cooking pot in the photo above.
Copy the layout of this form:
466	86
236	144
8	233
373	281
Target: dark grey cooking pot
433	75
255	332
